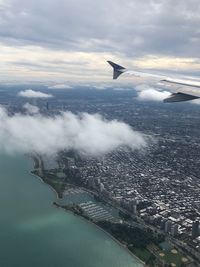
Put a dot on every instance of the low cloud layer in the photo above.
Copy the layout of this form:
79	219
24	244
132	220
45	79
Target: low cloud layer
85	133
29	93
153	95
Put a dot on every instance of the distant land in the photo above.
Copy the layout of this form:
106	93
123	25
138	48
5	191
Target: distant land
156	187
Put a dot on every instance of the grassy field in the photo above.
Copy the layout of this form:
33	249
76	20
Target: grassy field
172	256
145	255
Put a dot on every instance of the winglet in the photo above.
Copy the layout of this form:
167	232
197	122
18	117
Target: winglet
117	69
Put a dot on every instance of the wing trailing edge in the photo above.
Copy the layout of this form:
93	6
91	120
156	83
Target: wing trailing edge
179	97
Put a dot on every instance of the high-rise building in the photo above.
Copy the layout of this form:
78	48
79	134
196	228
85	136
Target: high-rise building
134	209
162	223
174	230
101	187
91	182
195	229
168	226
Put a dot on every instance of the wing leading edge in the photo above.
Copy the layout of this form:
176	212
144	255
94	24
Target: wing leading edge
174	97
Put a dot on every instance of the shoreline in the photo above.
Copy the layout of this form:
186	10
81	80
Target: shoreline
34	158
82	218
42	181
88	221
114	239
107	233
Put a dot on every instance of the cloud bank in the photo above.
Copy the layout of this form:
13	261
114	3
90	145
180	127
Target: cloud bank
60	86
84	133
29	93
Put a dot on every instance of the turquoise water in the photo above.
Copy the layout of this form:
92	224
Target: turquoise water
35	233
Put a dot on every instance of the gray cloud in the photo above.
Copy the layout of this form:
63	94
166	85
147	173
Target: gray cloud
31	109
85	133
133	28
46	64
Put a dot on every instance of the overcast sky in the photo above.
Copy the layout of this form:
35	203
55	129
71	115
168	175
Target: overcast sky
70	40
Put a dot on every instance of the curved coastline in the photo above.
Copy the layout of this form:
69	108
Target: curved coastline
107	233
116	240
57	234
88	221
42	181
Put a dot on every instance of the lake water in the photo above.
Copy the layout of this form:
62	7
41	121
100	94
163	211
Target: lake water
35	233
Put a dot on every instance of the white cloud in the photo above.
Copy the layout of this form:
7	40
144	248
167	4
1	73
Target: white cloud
121	89
196	101
100	87
153	95
60	86
29	93
85	133
31	109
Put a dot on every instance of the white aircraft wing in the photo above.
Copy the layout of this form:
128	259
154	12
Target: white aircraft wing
182	89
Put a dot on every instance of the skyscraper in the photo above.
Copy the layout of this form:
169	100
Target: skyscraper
195	229
174	230
168	226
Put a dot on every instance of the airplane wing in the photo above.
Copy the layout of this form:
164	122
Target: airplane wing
185	90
